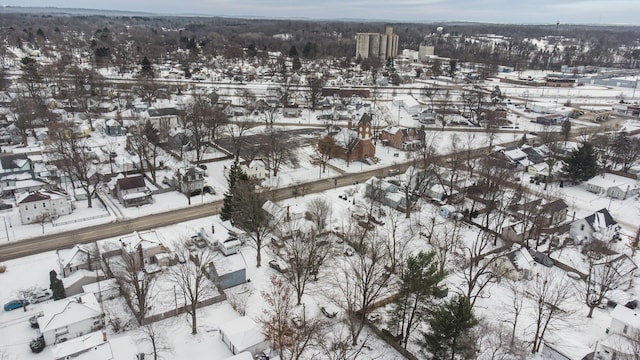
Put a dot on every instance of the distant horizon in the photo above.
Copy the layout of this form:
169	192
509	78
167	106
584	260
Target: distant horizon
566	12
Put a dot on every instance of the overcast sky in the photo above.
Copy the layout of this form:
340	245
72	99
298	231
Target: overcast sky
501	11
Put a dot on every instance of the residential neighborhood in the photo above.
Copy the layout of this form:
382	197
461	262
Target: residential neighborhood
257	188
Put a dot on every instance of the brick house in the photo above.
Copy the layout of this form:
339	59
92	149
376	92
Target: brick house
402	138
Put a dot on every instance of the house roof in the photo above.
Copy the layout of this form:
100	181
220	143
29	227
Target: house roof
131	182
273	209
39	196
600	219
78	254
13	161
243	333
626	316
555	206
94	347
515	154
68	311
32	196
228	264
607	181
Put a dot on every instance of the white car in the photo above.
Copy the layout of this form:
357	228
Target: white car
40	296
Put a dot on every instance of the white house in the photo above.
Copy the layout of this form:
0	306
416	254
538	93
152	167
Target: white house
38	205
81	256
623	330
599	225
69	318
615	186
95	346
255	169
243	334
146	245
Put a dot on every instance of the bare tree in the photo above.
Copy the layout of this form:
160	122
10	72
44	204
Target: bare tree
155	336
304	252
191	277
349	141
325	150
75	158
198	117
318	209
398	239
517	306
493	343
605	272
446	241
291	340
549	293
279	150
136	285
479	272
362	281
236	132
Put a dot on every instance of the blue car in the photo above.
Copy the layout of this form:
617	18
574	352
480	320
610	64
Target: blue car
15	304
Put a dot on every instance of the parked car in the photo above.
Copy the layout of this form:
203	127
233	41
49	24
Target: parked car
40	296
15	304
328	312
33	321
37	344
277	266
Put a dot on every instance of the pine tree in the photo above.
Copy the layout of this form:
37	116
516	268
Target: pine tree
449	329
420	280
56	286
582	164
566	129
296	64
235	174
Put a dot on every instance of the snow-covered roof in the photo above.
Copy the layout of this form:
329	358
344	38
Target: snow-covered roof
39	196
77	276
606	181
77	255
392	129
68	311
515	154
94	347
243	333
626	316
100	286
228	264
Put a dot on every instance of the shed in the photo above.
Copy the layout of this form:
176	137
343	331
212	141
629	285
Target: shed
243	334
228	271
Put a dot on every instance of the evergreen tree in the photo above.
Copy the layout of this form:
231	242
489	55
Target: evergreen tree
56	286
450	326
582	164
235	174
293	52
420	280
566	129
296	64
453	67
146	68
